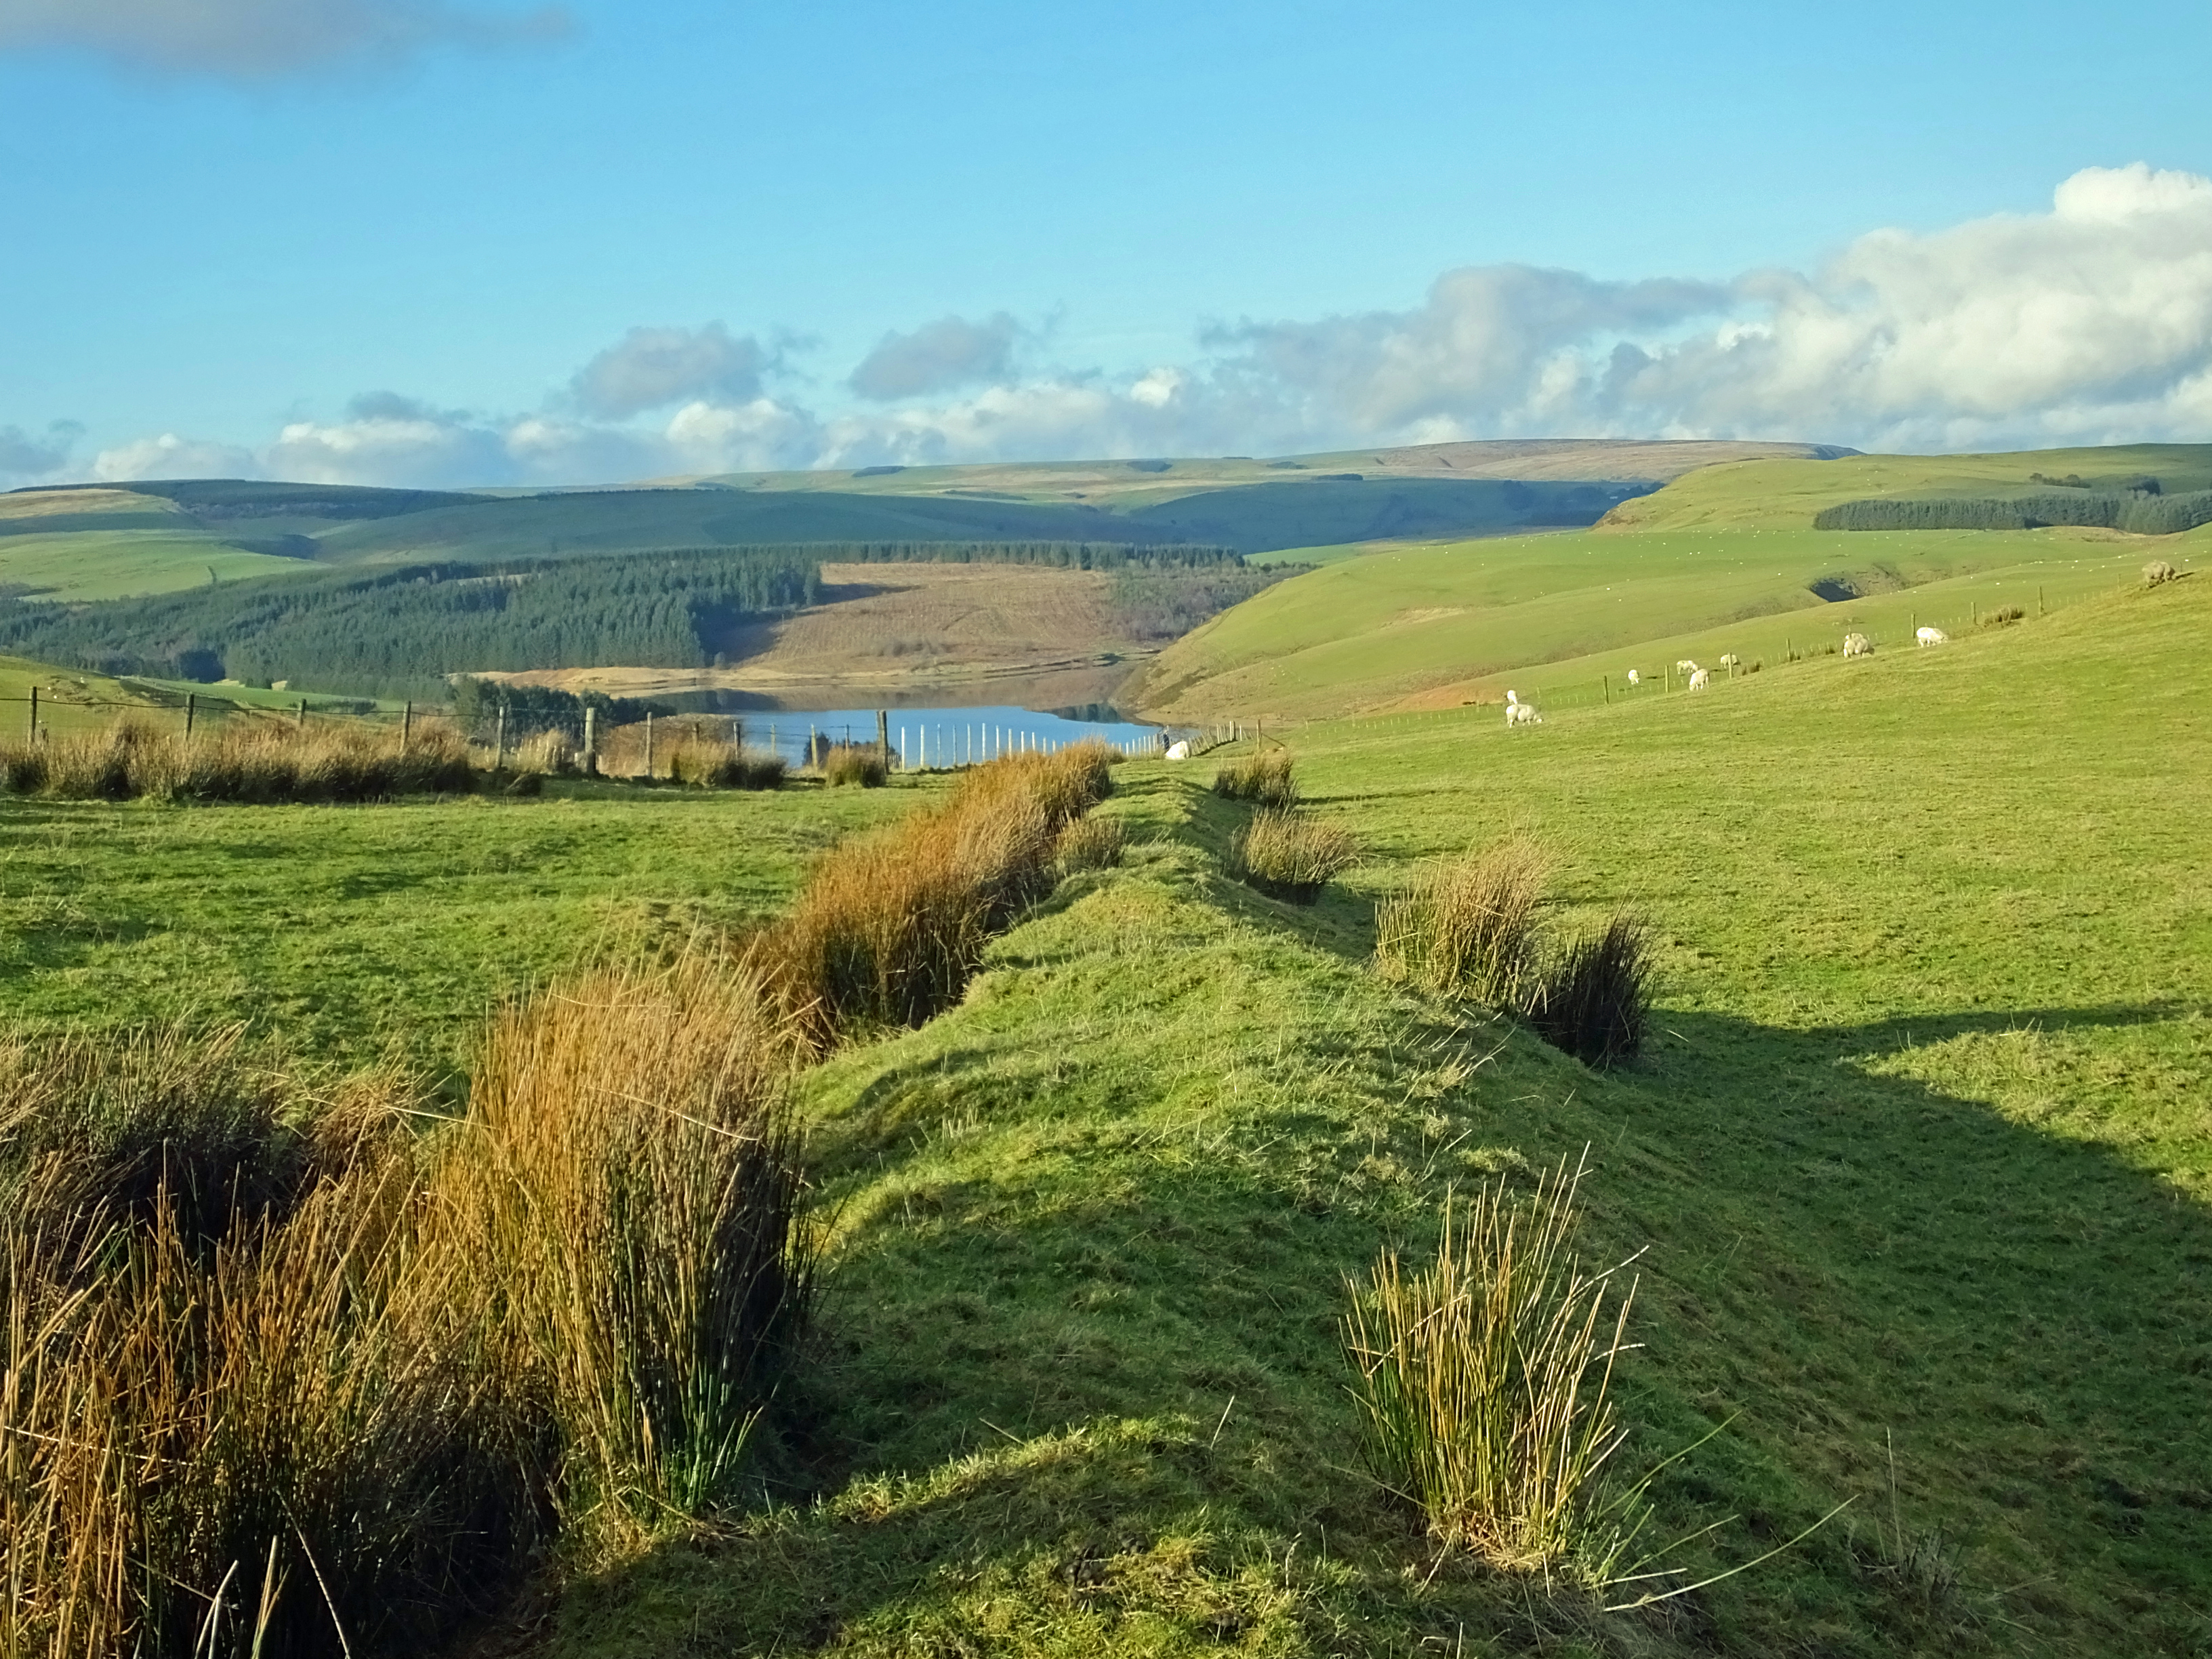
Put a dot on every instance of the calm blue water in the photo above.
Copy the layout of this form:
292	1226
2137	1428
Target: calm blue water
944	737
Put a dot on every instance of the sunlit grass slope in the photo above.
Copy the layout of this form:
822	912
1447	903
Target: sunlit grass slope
1920	1163
1447	621
1785	493
114	564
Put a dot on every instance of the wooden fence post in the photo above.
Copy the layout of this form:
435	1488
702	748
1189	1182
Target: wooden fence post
34	714
590	740
883	734
1607	678
406	724
648	746
499	742
191	708
300	718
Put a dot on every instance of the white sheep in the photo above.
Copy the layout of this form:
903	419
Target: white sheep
1635	678
1857	645
1730	660
1686	666
1932	636
1518	713
1180	751
1700	680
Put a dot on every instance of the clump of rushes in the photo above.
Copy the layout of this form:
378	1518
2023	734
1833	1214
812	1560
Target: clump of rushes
710	765
1483	1380
2159	571
2005	617
1263	779
893	925
1088	843
859	763
627	1184
1467	928
243	759
1593	998
1290	855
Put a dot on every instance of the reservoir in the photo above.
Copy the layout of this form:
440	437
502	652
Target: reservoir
942	737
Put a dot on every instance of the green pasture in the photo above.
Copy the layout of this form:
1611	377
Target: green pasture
114	564
1919	1167
346	932
1784	494
1464	616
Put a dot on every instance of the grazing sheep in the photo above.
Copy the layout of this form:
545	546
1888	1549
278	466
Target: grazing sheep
1700	680
1932	636
1857	645
1686	666
1178	751
1730	660
2157	571
1635	678
1518	713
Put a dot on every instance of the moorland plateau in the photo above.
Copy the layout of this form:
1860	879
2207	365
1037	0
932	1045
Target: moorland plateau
1915	1166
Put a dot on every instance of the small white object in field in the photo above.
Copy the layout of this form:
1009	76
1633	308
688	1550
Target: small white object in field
1857	645
1635	678
1180	751
1730	660
1932	636
1522	714
1700	680
1686	666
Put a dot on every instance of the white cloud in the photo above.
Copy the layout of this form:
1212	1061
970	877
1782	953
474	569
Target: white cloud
939	356
255	39
653	368
171	457
2089	322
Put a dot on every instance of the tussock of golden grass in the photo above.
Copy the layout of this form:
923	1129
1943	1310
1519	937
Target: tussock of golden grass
274	1369
1289	856
1088	843
1483	1382
1467	928
243	759
627	1181
1263	779
861	764
894	924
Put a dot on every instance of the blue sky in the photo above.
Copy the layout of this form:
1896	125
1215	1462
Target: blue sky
418	237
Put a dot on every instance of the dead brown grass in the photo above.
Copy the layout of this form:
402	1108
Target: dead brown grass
243	759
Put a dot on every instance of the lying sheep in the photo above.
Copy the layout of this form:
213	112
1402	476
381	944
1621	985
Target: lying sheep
1180	751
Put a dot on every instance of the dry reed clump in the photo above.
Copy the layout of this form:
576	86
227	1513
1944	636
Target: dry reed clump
222	1433
1484	1383
2004	617
2159	571
859	763
1467	928
243	759
710	765
276	1377
627	1185
1592	999
1088	843
894	924
1263	779
1289	856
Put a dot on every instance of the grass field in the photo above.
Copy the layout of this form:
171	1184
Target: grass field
1920	1161
114	564
1450	622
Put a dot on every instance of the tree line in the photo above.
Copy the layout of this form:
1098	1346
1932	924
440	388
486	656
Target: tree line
2142	514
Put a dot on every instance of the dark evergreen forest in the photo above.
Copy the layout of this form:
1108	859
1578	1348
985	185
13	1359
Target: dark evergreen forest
2139	512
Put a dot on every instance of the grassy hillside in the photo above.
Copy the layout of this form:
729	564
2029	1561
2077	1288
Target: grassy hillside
1784	494
1918	1161
1925	1198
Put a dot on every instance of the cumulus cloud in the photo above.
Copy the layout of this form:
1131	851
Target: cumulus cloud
25	457
653	368
939	356
2090	322
255	40
171	457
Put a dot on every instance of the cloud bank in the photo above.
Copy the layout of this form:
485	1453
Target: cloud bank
2089	322
258	40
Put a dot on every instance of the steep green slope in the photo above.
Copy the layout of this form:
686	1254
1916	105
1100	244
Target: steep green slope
1447	621
1918	1162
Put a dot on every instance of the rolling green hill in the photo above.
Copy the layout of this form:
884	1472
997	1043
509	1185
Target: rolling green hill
1723	560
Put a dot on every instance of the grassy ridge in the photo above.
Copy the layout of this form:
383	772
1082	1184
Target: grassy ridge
109	564
1910	1177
